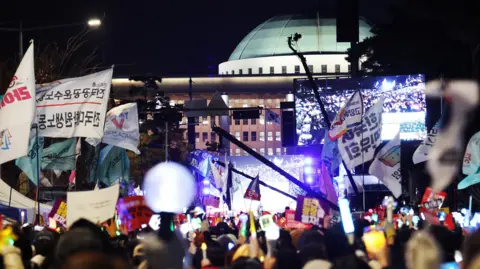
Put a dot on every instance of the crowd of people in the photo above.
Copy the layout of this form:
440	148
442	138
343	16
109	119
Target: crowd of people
232	244
402	94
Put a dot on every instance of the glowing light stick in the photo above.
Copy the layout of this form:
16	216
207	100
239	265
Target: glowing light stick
272	233
347	220
22	214
253	229
243	229
374	240
204	251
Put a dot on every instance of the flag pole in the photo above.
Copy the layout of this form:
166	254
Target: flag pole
38	175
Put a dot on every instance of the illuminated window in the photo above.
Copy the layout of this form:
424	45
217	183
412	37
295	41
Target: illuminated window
204	136
270	136
324	68
262	136
262	120
254	149
197	137
270	151
260	70
284	150
278	136
245	122
249	71
237	135
262	151
245	136
278	151
297	69
237	152
231	152
277	103
254	136
260	102
337	68
272	70
284	69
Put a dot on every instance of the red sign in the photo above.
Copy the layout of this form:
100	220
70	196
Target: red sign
291	223
432	200
133	212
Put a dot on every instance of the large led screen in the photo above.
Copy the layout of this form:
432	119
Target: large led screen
404	108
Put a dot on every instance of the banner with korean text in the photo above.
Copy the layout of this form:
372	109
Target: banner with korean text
59	212
133	212
311	211
74	107
358	144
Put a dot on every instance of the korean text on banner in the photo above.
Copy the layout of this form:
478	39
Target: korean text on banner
432	200
358	144
74	107
421	153
349	115
95	206
59	212
133	212
17	111
311	211
121	128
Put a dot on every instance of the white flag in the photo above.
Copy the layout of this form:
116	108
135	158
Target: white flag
471	159
17	111
121	128
349	115
421	153
358	144
386	166
446	154
74	107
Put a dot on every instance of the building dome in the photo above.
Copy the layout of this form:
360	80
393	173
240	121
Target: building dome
270	38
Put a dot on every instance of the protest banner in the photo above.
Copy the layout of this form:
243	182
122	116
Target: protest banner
291	223
311	211
432	200
349	115
133	212
74	107
17	111
211	200
422	152
95	206
59	212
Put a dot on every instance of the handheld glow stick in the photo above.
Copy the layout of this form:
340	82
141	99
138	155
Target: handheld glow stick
243	229
272	233
347	220
253	229
204	251
390	210
52	224
22	214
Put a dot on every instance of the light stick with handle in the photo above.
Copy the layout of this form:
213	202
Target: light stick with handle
347	220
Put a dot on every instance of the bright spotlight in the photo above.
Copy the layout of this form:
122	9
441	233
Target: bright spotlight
308	170
309	180
308	161
94	22
206	191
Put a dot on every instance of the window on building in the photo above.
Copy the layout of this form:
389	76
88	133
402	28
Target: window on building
253	121
272	70
269	103
237	152
231	152
237	136
270	151
245	136
204	136
212	120
260	70
213	136
254	136
270	136
240	71
245	153
245	122
262	151
250	71
349	68
233	72
284	69
297	69
324	68
197	137
278	151
237	122
277	103
285	151
254	149
262	119
262	136
310	67
337	68
278	136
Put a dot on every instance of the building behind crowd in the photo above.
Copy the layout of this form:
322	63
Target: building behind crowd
260	72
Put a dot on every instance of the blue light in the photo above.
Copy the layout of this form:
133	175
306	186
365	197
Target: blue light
309	180
206	191
308	170
346	215
308	161
206	181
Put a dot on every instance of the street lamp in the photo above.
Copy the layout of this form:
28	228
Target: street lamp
92	23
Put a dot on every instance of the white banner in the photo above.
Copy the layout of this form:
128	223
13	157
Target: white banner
386	166
74	107
17	111
421	153
121	128
358	144
349	115
471	159
95	206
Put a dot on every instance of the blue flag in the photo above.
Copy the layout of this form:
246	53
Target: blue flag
28	164
60	156
470	180
253	190
330	154
113	165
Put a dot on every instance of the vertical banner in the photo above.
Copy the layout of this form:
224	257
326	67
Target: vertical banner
311	211
133	212
74	107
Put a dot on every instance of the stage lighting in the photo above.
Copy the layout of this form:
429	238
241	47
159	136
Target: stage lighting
206	191
206	182
308	170
309	180
308	161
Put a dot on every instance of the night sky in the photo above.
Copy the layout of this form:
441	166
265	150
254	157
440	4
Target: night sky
166	38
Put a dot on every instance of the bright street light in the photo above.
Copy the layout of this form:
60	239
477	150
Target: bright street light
94	22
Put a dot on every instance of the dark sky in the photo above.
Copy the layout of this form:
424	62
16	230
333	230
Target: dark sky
161	37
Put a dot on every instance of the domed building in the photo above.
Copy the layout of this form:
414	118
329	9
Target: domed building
259	73
265	51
